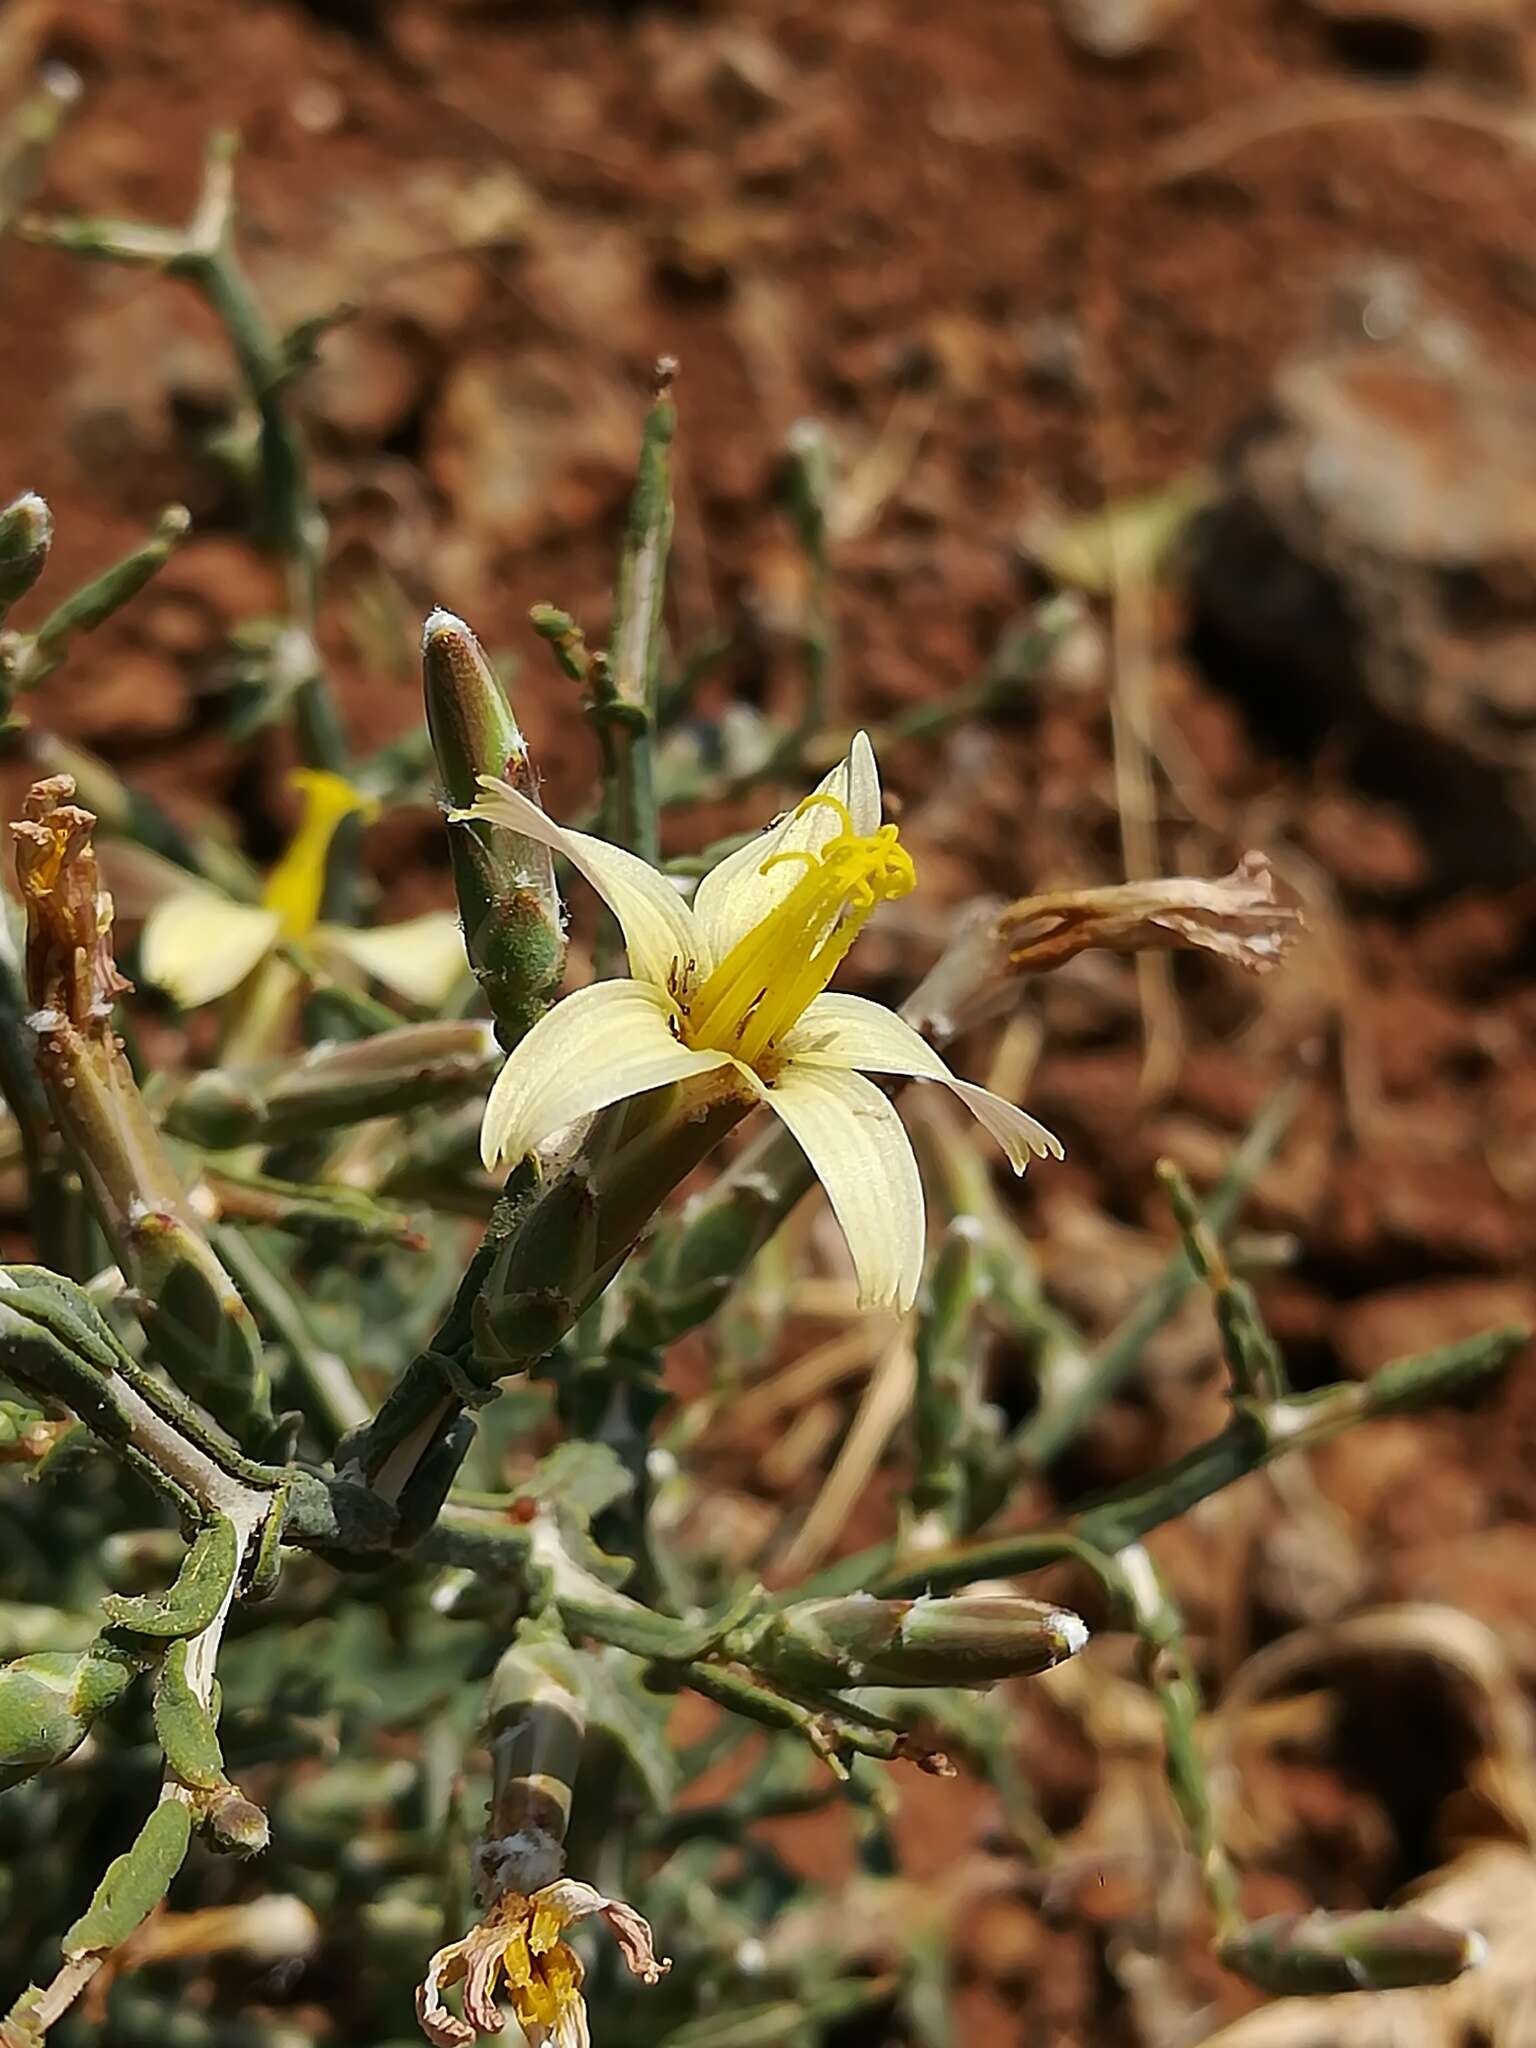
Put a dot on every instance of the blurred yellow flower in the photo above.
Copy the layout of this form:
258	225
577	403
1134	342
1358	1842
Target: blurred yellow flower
518	1948
198	943
735	987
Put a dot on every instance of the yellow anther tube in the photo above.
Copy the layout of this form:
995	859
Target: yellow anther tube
770	976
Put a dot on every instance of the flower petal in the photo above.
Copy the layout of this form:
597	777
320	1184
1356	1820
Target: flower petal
296	886
735	895
849	1031
421	958
863	1158
442	2027
571	2030
201	945
658	925
605	1042
484	1955
572	1900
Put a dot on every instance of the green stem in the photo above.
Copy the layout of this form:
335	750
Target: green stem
1168	1671
1253	1360
1258	1434
329	1396
628	705
1051	1430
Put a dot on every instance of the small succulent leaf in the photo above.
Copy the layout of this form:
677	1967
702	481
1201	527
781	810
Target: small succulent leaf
134	1883
582	1478
198	1592
184	1725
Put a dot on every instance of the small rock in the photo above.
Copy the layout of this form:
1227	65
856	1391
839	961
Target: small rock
366	380
1370	563
1117	28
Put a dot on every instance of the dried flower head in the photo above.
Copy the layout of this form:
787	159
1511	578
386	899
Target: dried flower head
1236	915
517	1948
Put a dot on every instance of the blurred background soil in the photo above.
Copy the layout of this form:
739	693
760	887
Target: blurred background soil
1025	260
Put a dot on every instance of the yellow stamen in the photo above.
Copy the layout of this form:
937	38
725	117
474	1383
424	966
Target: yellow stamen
543	1976
775	970
296	886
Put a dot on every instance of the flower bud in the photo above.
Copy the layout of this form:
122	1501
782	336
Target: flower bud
1310	1955
235	1825
47	1704
505	883
26	534
974	1640
406	1068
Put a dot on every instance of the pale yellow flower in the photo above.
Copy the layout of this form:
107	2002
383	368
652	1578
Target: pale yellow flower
199	943
518	1948
735	987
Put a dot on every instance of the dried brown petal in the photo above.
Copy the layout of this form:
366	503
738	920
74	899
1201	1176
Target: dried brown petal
573	1900
70	969
1236	916
443	2028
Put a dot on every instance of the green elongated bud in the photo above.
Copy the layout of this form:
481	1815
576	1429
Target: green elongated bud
409	1068
973	1640
508	901
329	1215
1312	1955
134	1883
41	652
422	1497
184	1725
48	1702
554	1257
199	1590
26	534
